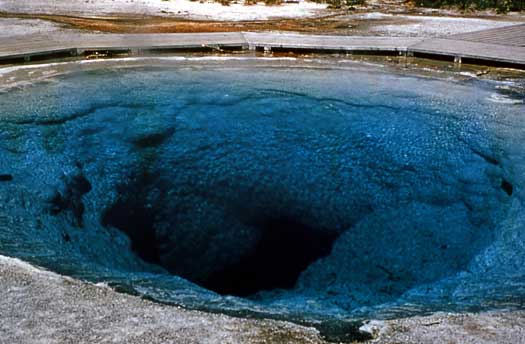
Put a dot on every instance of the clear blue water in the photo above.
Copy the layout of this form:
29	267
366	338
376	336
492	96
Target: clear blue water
307	193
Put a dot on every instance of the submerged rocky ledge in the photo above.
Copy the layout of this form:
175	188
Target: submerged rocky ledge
312	195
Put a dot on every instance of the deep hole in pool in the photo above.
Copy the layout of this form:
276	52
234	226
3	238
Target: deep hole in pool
285	247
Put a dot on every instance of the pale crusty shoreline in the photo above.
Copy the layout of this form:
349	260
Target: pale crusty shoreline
38	306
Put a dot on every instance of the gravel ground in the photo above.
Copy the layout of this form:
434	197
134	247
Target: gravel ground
502	327
13	27
394	25
38	306
372	24
201	10
123	16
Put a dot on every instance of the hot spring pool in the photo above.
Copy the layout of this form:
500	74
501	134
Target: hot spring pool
281	191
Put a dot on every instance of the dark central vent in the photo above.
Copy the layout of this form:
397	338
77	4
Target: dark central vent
285	249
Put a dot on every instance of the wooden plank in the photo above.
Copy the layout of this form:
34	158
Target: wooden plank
508	36
158	41
39	45
34	46
472	50
476	46
319	42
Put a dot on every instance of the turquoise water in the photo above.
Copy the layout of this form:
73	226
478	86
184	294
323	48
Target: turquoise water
289	192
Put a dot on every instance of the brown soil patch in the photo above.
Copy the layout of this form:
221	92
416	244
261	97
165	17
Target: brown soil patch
151	24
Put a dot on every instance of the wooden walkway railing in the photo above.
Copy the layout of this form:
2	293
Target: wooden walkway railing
503	46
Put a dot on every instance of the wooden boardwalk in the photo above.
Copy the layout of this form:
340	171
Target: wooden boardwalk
503	46
509	35
41	46
286	41
471	52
